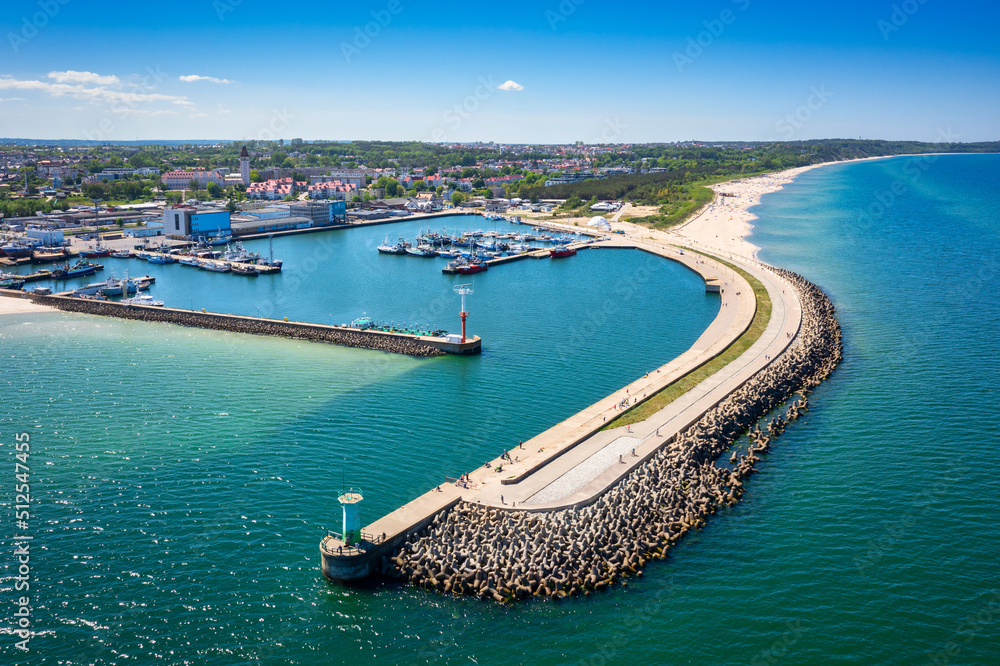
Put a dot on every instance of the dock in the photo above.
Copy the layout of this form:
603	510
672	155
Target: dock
36	276
348	336
542	253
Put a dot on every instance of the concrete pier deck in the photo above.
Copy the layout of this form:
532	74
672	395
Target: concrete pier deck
575	462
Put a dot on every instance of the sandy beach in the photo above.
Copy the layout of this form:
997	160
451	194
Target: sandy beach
724	225
9	305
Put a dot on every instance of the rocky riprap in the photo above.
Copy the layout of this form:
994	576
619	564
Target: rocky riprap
509	554
397	344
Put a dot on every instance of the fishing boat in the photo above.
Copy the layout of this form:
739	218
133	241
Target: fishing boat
110	287
421	251
239	254
397	248
465	266
79	269
143	299
215	240
95	252
444	252
215	266
559	252
188	260
270	261
162	259
16	249
11	282
245	269
123	287
474	266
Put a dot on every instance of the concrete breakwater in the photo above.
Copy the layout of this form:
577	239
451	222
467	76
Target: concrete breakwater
509	554
397	343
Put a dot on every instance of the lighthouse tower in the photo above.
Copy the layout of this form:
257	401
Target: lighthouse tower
245	166
351	533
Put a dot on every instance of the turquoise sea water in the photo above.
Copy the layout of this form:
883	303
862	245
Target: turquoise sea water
183	477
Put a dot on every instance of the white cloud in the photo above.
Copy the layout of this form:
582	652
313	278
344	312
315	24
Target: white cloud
143	112
197	115
85	93
510	85
191	78
11	99
183	102
70	76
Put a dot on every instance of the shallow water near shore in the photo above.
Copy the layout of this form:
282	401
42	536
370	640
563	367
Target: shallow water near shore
183	477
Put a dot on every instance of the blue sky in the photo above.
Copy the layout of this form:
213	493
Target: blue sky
585	70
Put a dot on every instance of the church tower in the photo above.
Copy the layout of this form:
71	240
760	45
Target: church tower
245	166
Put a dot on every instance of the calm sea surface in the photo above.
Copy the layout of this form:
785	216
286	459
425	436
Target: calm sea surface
182	478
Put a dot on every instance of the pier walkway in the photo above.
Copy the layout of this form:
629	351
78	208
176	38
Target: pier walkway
591	464
575	462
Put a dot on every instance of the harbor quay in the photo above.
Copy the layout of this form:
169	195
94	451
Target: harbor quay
575	462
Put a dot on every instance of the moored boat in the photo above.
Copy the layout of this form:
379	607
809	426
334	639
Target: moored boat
11	282
472	267
397	248
245	269
421	251
79	269
215	266
143	299
557	253
161	259
16	249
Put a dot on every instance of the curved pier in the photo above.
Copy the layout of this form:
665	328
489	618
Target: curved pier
512	554
553	485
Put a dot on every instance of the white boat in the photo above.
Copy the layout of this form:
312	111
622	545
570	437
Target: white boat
421	251
397	248
239	254
215	266
143	299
